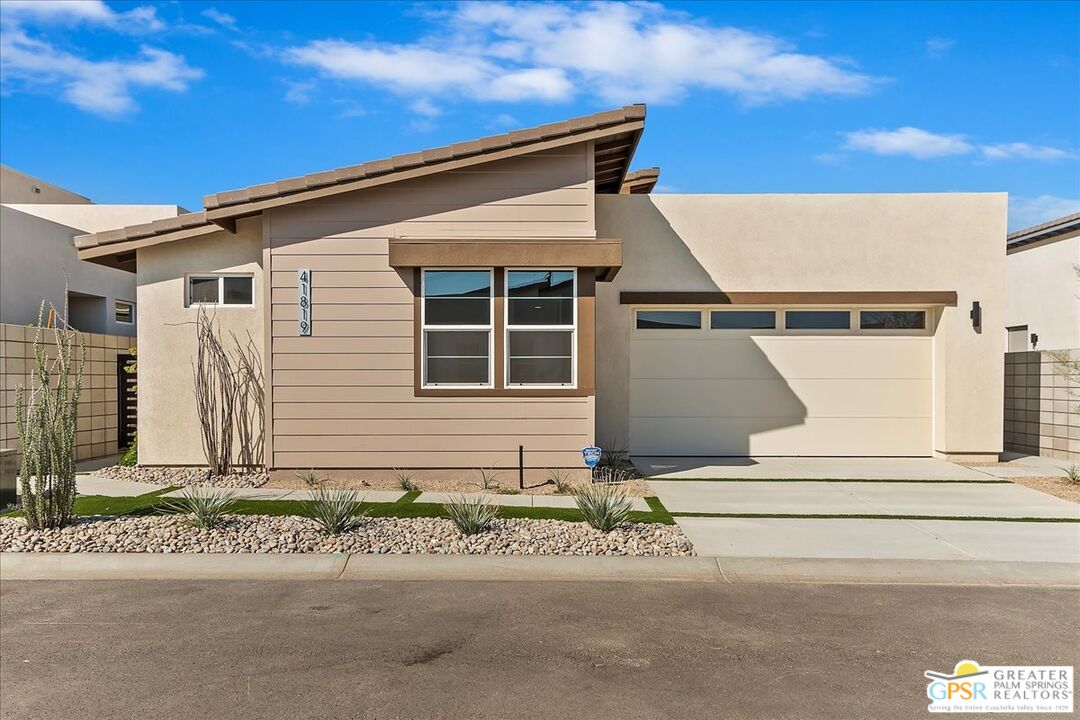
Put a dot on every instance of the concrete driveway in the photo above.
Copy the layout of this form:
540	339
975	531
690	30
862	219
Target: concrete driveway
803	468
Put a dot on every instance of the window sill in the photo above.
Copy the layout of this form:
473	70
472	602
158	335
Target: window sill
521	392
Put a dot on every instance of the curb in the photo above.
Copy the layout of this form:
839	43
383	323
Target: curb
145	566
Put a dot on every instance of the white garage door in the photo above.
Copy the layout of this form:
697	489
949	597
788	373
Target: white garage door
808	386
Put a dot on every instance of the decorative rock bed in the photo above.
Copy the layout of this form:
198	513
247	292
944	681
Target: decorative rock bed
266	534
185	476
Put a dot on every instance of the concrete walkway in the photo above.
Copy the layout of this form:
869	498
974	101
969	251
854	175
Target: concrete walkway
1004	500
796	468
381	496
548	501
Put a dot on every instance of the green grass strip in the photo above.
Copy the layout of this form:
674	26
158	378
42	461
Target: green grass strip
854	516
658	509
988	481
409	497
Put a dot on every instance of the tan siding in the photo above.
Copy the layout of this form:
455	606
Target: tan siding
344	397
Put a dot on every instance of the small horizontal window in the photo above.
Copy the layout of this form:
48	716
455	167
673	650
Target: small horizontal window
457	297
125	312
817	320
742	319
892	320
668	319
220	290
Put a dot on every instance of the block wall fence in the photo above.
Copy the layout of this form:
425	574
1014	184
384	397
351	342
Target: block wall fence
1042	407
98	408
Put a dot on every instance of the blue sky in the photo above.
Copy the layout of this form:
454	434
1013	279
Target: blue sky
163	102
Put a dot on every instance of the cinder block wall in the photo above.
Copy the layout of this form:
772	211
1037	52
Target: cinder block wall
98	414
1041	415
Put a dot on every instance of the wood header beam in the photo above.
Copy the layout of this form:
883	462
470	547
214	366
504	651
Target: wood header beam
812	297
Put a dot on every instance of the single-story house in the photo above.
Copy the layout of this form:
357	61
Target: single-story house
440	309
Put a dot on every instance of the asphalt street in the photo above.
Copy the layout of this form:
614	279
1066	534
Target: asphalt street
460	650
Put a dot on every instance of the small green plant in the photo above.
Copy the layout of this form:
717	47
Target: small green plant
130	458
309	478
335	510
405	480
204	510
471	515
1072	474
488	479
610	476
561	480
615	454
605	507
508	491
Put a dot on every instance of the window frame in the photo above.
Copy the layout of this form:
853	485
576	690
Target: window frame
220	277
703	320
131	307
425	328
852	327
777	313
573	329
893	331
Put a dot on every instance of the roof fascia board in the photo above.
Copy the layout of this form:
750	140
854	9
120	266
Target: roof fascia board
96	251
811	297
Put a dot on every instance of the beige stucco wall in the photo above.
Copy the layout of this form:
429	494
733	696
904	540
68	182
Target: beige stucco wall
168	424
1042	291
746	243
18	187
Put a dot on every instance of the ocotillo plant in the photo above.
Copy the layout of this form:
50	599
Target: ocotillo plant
46	417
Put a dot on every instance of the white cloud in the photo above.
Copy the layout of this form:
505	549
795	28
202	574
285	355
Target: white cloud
619	52
425	107
298	93
502	121
1005	151
911	141
139	19
1027	211
223	19
101	87
938	46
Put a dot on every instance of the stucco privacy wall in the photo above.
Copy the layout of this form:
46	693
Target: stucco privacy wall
97	428
168	424
1043	291
769	243
344	397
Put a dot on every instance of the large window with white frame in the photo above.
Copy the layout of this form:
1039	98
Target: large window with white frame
457	319
236	290
541	327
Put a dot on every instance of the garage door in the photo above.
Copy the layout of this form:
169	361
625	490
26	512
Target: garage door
781	382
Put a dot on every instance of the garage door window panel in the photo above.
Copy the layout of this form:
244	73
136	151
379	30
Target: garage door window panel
457	327
742	320
668	320
892	320
541	327
817	319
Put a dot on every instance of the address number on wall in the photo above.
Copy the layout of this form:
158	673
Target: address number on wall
303	301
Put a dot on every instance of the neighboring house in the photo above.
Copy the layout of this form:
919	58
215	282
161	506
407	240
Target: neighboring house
38	257
1042	321
512	291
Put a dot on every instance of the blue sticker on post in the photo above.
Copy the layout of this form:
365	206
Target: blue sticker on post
591	455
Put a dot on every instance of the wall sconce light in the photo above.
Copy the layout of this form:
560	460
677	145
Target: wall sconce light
976	317
1034	340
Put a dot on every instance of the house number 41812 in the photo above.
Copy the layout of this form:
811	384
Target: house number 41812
303	301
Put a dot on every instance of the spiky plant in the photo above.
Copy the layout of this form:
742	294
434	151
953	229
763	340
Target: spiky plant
46	418
561	480
405	480
1072	474
605	507
472	515
488	479
309	478
335	510
204	510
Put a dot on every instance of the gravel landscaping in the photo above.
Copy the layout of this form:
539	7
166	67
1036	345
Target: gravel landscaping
184	476
291	534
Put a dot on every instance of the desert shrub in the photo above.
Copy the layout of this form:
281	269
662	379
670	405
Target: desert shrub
471	515
309	478
1072	474
605	507
205	510
130	458
335	510
561	480
405	480
488	479
610	476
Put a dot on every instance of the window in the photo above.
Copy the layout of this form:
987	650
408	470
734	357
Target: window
124	312
817	320
221	290
668	319
1018	338
457	323
892	320
742	319
540	327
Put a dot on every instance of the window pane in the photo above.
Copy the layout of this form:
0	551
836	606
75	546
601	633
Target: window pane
238	290
743	320
457	283
540	371
457	311
525	343
818	319
125	312
203	290
669	319
540	283
457	358
892	319
541	311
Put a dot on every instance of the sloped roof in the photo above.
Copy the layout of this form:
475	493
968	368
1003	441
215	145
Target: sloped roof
640	182
1053	228
616	133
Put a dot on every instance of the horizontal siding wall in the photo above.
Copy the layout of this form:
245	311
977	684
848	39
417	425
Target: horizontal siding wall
344	397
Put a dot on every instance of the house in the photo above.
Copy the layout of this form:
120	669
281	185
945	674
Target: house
1042	322
38	222
438	310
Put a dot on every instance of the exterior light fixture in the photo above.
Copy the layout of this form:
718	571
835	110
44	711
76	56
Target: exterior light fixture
976	317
